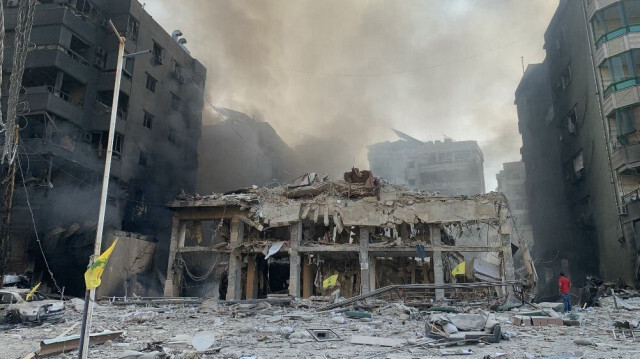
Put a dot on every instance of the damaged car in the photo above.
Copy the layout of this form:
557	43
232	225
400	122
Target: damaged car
15	308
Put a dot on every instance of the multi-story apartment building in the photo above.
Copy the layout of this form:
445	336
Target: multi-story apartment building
593	56
447	167
68	88
511	181
553	230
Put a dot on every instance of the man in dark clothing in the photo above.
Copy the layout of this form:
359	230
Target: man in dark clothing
564	285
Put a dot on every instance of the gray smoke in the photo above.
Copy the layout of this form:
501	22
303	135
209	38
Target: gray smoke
327	72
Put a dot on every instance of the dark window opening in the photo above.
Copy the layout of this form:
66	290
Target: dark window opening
100	139
175	102
133	26
572	122
151	83
104	101
148	120
157	53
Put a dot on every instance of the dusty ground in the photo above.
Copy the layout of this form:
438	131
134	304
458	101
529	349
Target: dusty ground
260	332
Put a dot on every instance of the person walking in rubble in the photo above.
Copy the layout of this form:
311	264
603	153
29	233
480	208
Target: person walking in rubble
564	285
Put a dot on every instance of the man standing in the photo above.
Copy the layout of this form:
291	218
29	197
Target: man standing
564	285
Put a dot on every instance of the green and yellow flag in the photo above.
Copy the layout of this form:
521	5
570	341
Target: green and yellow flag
330	282
459	269
32	291
93	274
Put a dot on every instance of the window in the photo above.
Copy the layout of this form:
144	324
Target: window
172	136
616	20
411	164
619	72
175	102
151	83
127	70
572	121
178	72
578	165
627	121
566	77
143	159
412	182
157	53
148	120
118	139
133	27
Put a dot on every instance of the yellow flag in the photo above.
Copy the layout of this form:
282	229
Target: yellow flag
93	274
459	269
330	282
32	291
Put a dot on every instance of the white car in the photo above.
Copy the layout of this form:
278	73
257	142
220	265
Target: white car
15	308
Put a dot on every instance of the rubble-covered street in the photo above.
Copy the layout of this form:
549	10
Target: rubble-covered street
256	329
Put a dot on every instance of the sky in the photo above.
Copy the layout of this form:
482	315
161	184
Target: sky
351	70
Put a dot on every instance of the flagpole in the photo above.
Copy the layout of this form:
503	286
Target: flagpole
90	295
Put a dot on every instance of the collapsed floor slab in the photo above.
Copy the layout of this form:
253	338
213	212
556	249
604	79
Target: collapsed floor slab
290	239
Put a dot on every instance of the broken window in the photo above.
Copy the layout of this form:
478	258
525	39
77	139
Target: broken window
100	139
565	77
157	53
572	121
133	26
578	165
151	83
127	70
178	72
627	121
148	120
175	102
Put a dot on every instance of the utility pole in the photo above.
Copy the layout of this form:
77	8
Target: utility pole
90	295
6	212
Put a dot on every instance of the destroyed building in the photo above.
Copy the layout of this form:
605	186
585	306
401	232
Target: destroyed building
591	67
290	239
239	151
511	182
447	167
68	89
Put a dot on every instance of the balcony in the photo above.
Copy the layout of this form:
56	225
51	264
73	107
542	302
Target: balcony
625	41
626	158
81	153
59	57
626	93
47	98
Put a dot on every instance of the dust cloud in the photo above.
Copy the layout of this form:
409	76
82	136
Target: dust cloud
345	72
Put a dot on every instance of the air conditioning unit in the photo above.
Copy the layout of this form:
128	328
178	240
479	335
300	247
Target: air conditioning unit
622	210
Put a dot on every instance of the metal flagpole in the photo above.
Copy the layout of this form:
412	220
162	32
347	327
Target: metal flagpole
90	295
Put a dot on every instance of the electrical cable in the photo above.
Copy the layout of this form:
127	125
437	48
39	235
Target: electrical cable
35	229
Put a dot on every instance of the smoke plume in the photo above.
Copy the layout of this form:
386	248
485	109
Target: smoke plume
327	72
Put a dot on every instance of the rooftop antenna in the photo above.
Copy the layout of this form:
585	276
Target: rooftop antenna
522	62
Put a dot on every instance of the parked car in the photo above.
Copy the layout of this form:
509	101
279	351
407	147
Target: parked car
15	308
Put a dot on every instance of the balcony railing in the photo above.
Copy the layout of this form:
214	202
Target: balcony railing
72	54
617	33
621	85
631	197
65	96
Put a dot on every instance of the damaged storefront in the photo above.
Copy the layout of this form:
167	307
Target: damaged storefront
356	234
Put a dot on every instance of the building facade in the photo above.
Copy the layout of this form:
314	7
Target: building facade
447	167
592	64
68	89
512	182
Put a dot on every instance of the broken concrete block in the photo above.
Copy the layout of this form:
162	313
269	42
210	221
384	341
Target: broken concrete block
522	321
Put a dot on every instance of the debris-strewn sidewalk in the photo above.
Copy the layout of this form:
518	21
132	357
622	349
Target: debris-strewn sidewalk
296	329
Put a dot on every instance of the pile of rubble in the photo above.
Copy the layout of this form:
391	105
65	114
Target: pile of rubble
296	328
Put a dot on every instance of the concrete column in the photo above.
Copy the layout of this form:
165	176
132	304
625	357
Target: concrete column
507	260
174	273
438	271
234	282
307	277
365	274
295	233
372	273
252	278
58	83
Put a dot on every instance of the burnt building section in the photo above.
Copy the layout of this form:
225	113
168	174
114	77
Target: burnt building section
291	239
239	151
446	167
553	229
511	182
66	106
591	65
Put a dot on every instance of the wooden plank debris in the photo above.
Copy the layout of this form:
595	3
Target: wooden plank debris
65	344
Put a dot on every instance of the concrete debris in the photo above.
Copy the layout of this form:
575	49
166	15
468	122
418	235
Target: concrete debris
396	329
